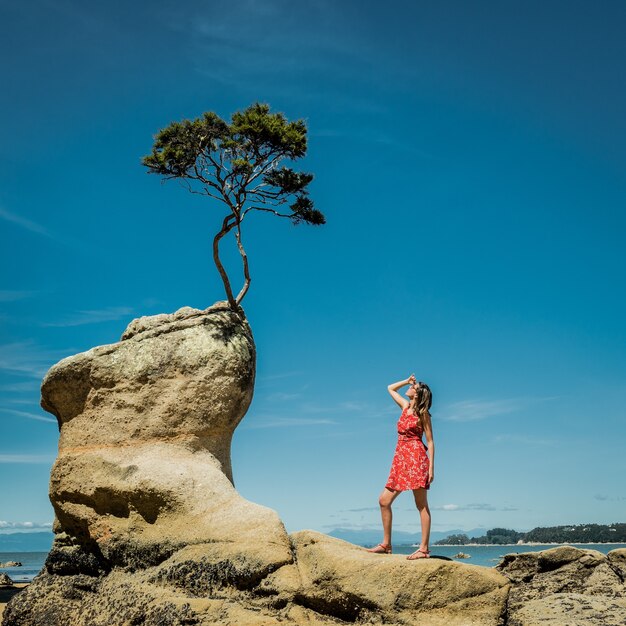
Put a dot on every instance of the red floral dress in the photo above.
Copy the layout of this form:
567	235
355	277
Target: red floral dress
409	469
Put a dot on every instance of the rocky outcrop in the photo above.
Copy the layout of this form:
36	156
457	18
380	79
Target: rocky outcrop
144	448
566	586
143	468
328	581
341	580
5	580
150	530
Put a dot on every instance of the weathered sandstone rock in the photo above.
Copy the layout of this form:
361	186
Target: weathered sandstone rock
144	450
566	586
617	559
345	581
5	580
146	428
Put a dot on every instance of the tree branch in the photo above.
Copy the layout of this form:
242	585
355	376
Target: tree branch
204	180
271	165
206	192
259	208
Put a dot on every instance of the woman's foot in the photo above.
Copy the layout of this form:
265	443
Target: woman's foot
419	554
381	548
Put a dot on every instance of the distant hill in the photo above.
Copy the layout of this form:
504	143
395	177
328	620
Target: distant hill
372	537
26	542
578	533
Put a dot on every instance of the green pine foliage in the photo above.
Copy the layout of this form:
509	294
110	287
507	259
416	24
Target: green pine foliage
580	533
240	164
454	540
237	158
499	536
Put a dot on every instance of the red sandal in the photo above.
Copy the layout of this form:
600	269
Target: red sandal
412	557
381	548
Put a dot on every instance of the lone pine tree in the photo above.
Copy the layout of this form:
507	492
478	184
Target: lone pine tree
238	163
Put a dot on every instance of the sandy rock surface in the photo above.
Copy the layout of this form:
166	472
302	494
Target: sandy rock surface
329	581
566	586
343	580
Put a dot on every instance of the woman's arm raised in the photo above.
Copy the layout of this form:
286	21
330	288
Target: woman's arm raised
393	390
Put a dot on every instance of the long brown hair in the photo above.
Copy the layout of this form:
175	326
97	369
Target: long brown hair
423	401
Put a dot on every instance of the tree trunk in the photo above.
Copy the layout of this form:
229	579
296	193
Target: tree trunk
246	271
226	228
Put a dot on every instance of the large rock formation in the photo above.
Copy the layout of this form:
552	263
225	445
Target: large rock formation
145	433
150	529
143	469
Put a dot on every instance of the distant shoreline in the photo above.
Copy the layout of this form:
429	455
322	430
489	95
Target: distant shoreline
534	543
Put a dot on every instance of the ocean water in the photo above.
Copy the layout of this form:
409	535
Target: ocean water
32	564
490	556
487	556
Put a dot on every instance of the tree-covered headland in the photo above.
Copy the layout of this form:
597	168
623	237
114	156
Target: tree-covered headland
580	533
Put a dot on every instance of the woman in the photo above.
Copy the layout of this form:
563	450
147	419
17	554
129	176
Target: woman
411	467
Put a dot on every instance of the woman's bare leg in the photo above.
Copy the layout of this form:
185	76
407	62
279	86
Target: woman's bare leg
385	500
421	502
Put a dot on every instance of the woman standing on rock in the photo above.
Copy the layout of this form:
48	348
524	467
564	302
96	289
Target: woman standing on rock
411	467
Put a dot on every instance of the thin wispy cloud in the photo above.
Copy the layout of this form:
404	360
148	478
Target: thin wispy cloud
243	48
81	17
24	222
602	497
523	439
347	407
465	507
351	405
4	525
27	358
349	526
30	416
286	422
339	411
362	510
26	458
21	387
480	506
270	378
245	43
281	396
471	410
12	296
368	136
95	316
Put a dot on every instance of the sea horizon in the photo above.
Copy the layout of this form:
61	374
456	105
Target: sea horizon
532	543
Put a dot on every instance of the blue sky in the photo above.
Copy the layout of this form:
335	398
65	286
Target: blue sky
469	158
